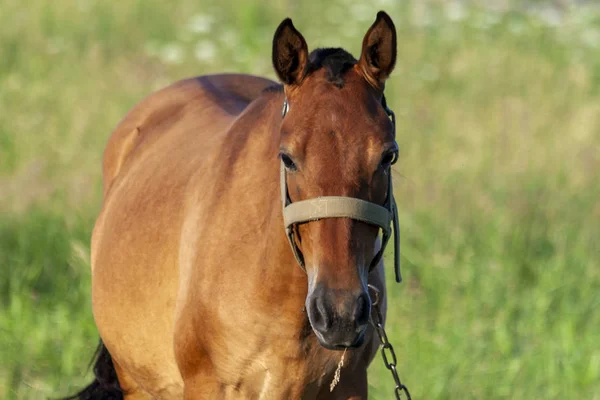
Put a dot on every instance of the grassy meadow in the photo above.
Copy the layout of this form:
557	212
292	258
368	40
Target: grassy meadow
498	181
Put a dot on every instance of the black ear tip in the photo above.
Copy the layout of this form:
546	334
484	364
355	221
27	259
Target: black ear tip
285	26
382	15
286	23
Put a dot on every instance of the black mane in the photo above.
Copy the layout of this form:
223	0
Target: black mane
336	60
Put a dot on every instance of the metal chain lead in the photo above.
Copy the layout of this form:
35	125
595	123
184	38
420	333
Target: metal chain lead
387	351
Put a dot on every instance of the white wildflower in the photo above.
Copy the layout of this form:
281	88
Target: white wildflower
200	23
205	50
172	54
455	11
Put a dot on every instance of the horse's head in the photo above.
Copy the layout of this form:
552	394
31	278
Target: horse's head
336	140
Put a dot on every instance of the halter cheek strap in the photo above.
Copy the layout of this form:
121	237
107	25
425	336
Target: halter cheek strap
385	217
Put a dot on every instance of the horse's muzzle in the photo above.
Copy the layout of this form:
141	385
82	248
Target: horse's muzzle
339	318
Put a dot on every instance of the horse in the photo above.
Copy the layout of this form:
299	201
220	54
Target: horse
240	228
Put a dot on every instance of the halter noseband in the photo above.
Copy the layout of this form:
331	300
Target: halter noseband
384	217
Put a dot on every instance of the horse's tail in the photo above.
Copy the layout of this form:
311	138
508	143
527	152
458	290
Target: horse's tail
106	384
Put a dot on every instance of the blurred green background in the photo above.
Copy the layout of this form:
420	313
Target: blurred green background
498	107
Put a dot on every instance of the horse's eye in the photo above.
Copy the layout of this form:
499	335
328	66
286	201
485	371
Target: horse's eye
389	158
287	161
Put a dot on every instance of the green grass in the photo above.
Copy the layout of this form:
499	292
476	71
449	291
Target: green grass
497	183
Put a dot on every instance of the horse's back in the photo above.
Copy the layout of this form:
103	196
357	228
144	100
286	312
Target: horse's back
214	99
148	162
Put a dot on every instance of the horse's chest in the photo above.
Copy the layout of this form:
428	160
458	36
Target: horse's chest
276	368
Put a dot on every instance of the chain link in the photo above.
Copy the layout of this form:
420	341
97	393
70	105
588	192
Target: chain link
387	350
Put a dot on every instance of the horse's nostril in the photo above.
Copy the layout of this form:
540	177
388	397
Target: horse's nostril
320	319
362	310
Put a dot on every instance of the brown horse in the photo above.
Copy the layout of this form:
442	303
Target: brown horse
197	292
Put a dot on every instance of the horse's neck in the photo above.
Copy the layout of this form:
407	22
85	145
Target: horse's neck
281	270
251	187
277	260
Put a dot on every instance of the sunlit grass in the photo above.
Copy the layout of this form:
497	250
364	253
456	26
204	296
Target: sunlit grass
499	132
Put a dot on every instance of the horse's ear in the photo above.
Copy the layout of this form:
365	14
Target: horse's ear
290	53
378	56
